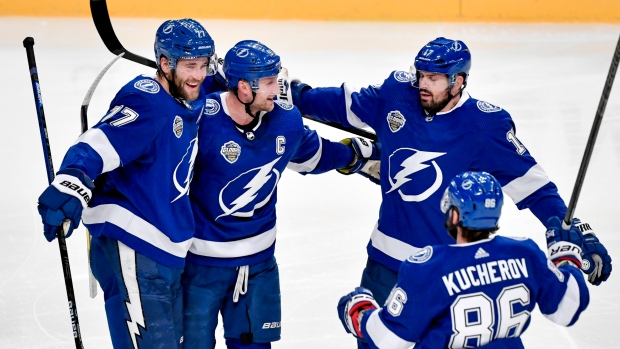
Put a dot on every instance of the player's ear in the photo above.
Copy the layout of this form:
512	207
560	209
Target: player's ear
454	216
163	63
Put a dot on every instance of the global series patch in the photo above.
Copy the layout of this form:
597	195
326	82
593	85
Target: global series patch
177	126
231	151
395	120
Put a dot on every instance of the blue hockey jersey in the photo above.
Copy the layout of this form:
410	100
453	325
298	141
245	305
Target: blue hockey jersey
141	154
467	295
421	153
234	191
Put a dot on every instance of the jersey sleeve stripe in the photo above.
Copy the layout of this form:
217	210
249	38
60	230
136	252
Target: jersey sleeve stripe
136	226
97	140
522	187
381	336
352	118
390	246
309	164
569	305
236	248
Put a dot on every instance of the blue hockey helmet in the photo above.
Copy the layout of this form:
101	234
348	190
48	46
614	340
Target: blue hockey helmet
250	60
478	197
184	38
444	56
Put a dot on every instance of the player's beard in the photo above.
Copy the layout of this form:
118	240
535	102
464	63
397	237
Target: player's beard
436	103
177	88
266	105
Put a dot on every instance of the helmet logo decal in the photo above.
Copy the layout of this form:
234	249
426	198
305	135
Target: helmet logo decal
250	191
168	28
467	184
395	120
244	52
231	151
456	46
404	162
177	126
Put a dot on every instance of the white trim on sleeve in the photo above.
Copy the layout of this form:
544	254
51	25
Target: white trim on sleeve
522	187
101	144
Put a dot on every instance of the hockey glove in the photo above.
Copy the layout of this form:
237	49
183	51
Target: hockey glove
596	259
363	150
352	306
290	89
219	74
372	169
564	245
63	200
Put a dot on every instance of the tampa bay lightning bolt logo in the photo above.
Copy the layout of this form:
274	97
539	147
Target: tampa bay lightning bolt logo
211	107
466	185
147	85
456	46
283	104
250	191
422	255
168	28
487	107
184	170
405	162
244	52
402	76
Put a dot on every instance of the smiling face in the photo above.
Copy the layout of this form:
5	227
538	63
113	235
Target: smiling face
187	77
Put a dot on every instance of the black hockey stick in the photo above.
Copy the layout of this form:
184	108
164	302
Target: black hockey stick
64	255
101	17
598	118
92	285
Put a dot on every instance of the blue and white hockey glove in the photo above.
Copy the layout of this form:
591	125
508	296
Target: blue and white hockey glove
352	306
363	151
596	259
564	245
63	200
290	89
372	169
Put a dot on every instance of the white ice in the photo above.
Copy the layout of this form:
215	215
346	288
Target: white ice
548	76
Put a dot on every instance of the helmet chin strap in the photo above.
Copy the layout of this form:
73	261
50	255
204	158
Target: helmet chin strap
247	105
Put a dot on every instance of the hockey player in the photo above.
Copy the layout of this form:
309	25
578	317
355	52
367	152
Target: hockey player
246	140
479	291
430	130
140	155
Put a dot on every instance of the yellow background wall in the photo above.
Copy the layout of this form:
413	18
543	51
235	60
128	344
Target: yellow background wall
596	11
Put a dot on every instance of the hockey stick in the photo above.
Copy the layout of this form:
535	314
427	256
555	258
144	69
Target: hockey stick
92	284
101	17
60	233
598	118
